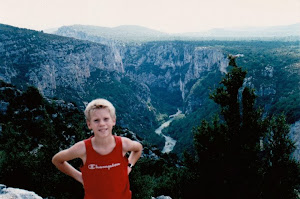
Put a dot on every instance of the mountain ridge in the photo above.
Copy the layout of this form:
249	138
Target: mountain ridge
143	34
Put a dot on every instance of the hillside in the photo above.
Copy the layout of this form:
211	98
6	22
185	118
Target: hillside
151	80
34	128
273	68
77	71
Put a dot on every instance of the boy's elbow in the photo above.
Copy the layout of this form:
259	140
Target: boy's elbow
140	147
56	161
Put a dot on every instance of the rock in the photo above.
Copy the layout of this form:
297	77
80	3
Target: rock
162	197
15	193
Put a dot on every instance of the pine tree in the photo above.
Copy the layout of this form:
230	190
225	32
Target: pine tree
282	173
231	160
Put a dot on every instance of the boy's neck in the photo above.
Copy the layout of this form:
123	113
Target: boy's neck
104	141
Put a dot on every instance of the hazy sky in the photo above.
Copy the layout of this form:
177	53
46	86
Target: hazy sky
163	15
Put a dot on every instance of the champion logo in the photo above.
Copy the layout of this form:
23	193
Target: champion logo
108	167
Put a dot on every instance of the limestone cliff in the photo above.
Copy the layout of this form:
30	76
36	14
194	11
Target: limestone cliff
171	65
146	81
74	70
148	77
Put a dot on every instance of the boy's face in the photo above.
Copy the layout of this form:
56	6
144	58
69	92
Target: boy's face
101	122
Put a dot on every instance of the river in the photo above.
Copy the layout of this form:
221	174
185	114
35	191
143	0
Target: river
170	142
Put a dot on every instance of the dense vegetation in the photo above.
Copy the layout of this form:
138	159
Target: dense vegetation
78	71
66	62
239	154
34	128
272	71
244	152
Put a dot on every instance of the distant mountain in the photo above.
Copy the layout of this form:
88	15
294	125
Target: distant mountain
120	33
251	32
142	34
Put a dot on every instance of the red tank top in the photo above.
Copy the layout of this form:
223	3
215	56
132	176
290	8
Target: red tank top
105	176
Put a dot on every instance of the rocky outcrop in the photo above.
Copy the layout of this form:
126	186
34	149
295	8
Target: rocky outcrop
50	62
15	193
171	65
162	197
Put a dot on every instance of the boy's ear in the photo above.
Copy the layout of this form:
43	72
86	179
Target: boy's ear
88	123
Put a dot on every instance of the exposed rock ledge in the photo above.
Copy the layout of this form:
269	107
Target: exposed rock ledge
14	193
162	197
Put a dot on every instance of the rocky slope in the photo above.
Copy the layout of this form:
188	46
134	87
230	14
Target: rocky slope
172	68
79	71
169	69
145	81
74	70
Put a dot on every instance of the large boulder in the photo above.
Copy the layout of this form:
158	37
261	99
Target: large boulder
15	193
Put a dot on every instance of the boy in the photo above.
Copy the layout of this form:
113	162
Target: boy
105	169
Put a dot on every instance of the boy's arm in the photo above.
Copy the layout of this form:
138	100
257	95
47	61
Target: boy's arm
134	147
60	160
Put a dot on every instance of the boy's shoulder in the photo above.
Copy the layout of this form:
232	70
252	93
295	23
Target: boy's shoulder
128	143
79	148
125	140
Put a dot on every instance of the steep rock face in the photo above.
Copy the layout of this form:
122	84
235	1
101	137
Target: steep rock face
172	67
165	67
49	62
73	70
162	63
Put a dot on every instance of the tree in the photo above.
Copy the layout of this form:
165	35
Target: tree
231	161
33	130
282	173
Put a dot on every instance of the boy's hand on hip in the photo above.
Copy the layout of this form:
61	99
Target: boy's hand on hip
129	170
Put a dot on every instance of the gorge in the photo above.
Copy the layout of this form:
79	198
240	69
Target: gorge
46	81
169	142
147	81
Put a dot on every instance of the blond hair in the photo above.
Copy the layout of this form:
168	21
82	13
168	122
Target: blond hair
99	104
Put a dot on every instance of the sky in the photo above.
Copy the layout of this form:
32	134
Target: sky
170	16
